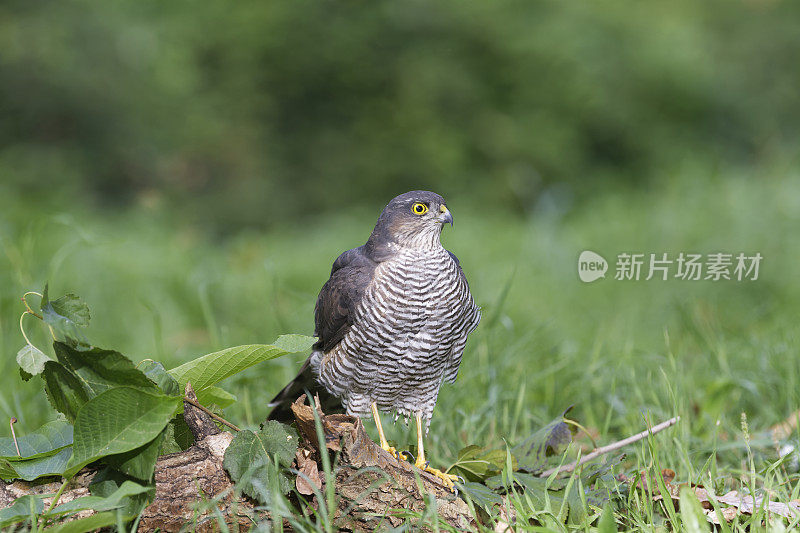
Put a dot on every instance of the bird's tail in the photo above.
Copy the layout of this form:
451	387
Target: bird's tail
305	382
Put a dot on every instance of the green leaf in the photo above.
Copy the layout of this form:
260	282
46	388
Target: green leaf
117	421
251	459
476	464
177	437
156	373
73	308
64	390
532	453
119	498
108	481
23	508
481	495
294	343
100	370
49	465
66	315
79	376
215	396
7	472
212	368
46	440
84	525
31	360
138	463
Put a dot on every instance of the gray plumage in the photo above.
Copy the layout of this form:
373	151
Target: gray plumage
394	316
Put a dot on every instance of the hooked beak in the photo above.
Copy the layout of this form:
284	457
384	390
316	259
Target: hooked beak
445	217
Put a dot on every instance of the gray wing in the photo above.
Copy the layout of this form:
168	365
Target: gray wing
467	322
337	301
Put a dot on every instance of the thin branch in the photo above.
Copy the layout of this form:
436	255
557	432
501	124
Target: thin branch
611	447
211	414
22	328
25	301
14	435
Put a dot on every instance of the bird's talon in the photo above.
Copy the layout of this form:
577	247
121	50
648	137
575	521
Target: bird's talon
447	479
392	451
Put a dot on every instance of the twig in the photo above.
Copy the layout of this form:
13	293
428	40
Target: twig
611	447
210	413
25	301
14	435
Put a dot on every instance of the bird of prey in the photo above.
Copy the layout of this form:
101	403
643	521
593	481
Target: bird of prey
392	321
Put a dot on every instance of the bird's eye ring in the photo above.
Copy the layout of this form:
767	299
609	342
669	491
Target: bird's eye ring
419	209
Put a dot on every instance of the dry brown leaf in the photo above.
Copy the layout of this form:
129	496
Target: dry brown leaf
737	503
668	475
310	479
728	514
747	504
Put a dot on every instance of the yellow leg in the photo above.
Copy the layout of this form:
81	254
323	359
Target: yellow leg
381	436
422	464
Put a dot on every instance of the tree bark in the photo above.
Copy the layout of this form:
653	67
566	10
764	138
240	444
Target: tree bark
373	489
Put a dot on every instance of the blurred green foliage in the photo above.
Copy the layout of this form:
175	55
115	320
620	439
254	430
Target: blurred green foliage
277	111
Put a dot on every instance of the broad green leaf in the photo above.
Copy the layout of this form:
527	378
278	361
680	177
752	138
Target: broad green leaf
212	368
108	481
481	495
593	471
7	472
177	437
79	376
215	396
64	390
138	463
99	503
252	456
156	373
100	370
48	465
117	421
476	464
22	508
73	308
293	343
532	453
84	525
46	440
31	359
66	326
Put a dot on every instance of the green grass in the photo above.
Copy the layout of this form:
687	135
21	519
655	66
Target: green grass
621	352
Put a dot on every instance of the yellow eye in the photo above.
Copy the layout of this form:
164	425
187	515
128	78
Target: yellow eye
419	209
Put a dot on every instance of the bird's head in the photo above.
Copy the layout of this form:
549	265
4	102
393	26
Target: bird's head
413	219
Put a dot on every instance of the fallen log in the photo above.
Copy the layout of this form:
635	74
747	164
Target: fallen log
193	489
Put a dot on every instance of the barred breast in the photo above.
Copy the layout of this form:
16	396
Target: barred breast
408	335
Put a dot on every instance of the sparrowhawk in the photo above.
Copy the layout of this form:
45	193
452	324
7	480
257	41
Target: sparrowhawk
392	320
